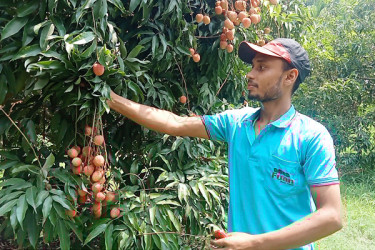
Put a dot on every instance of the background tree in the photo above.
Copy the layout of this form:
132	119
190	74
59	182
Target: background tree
341	91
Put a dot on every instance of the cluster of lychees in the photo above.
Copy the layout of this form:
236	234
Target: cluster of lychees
246	12
92	163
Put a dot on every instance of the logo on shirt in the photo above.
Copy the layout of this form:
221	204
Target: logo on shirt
282	176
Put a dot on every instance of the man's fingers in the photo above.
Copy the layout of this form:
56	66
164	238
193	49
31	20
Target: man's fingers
218	243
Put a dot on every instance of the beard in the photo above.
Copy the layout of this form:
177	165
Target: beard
270	95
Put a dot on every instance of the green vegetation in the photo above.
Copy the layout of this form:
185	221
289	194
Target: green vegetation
358	192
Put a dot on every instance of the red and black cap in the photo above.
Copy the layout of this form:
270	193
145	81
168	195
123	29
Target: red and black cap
285	48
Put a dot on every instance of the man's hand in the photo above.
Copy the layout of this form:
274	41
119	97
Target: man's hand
237	241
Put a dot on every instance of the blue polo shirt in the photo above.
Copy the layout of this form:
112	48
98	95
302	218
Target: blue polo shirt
270	175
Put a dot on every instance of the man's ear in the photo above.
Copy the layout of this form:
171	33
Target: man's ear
291	76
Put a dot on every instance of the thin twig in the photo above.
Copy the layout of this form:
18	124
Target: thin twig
181	234
215	36
24	136
183	79
223	83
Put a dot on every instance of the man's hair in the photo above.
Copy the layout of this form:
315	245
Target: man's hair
288	66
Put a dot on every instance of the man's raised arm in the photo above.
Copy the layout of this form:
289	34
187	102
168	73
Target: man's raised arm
156	119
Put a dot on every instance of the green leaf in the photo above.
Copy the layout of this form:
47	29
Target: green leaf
136	89
74	3
47	205
123	50
83	38
63	235
109	237
30	131
169	202
51	64
95	232
11	79
13	218
183	50
76	229
21	168
3	90
155	44
48	164
32	228
13	27
100	9
69	89
163	42
134	170
133	5
27	8
42	195
59	25
183	192
134	53
7	164
21	209
118	4
156	240
177	143
48	231
152	212
174	220
63	202
7	207
165	160
41	83
148	241
12	181
204	192
31	196
46	32
62	130
27	51
87	53
10	196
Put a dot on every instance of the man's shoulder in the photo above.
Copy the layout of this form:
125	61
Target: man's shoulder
240	114
310	126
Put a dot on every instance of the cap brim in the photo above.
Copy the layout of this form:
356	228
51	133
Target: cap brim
247	51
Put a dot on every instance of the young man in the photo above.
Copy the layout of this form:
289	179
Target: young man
284	191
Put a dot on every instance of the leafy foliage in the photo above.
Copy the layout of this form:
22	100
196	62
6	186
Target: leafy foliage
340	93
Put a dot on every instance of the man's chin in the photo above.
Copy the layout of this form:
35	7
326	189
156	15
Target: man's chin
253	97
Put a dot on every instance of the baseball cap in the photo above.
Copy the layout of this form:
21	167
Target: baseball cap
285	48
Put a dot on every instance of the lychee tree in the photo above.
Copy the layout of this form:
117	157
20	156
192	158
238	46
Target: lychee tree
76	174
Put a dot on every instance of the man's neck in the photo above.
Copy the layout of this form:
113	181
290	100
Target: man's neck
273	110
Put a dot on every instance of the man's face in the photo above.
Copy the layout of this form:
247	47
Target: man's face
265	78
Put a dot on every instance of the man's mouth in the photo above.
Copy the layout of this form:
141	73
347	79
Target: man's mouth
251	85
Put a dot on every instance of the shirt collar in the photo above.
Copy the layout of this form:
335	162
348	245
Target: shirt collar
282	122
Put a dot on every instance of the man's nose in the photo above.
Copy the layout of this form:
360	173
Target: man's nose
249	75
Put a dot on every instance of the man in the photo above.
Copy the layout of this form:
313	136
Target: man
284	191
243	99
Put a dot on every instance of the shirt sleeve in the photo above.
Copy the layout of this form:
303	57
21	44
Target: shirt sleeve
320	165
218	126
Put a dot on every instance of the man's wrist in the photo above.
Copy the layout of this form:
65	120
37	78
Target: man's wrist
111	102
260	241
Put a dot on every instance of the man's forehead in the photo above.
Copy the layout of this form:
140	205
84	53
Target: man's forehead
259	57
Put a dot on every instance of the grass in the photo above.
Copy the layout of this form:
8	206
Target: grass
358	197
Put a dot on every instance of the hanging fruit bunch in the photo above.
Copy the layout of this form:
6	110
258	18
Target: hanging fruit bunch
239	13
91	164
